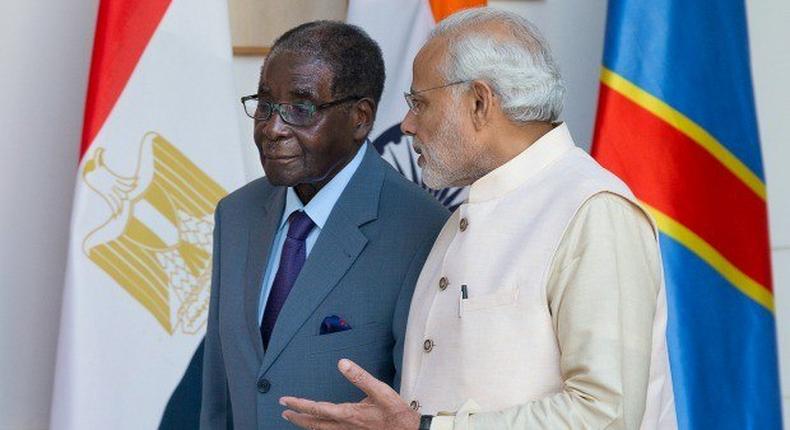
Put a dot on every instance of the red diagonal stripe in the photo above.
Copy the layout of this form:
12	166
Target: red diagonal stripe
672	173
123	29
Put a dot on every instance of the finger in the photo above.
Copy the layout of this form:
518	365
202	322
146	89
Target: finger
321	410
375	389
308	422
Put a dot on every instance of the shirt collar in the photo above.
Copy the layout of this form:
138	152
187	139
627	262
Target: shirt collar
509	176
320	206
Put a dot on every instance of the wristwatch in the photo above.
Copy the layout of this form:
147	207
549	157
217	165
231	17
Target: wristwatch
425	422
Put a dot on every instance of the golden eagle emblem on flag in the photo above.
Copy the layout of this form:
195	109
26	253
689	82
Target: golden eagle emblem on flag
157	242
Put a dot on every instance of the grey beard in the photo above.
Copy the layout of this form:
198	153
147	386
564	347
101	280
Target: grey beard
452	162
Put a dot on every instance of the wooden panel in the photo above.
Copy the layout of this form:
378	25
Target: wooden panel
255	24
259	51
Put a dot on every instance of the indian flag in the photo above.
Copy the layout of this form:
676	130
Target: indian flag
400	28
160	147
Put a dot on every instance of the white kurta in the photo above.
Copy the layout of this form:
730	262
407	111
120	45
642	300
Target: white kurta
564	320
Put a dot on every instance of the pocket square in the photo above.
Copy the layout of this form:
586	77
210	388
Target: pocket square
333	324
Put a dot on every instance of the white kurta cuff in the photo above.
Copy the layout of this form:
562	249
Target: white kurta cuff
459	421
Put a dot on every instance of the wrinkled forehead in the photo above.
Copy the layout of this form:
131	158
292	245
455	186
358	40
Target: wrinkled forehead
430	64
296	73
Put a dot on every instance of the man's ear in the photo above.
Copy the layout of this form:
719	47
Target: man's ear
483	99
362	115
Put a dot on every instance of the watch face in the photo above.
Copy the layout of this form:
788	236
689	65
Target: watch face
396	148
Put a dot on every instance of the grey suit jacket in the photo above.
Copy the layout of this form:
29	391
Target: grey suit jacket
363	268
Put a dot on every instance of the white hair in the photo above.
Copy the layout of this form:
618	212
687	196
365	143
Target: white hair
519	68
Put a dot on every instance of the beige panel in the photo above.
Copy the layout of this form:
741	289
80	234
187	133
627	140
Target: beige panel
255	24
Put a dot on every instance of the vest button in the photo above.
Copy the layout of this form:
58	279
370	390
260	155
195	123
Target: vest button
464	224
415	405
264	385
443	283
427	346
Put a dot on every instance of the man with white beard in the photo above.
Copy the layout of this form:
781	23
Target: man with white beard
541	304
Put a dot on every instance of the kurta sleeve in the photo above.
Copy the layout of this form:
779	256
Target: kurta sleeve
602	290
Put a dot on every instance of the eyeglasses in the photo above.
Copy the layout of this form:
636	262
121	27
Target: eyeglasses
298	114
415	106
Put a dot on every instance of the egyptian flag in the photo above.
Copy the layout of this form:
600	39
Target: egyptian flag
160	147
400	28
676	121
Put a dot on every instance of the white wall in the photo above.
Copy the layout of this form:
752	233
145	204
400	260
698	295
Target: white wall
44	57
769	37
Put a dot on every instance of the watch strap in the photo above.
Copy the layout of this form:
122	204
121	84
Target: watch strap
425	422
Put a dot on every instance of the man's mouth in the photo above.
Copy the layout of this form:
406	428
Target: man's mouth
418	150
279	157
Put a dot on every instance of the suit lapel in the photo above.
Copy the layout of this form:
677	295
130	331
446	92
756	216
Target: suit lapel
263	223
338	246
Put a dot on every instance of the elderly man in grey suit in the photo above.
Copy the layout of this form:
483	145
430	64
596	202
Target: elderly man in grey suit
318	260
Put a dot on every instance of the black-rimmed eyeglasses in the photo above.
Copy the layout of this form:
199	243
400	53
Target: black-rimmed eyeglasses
298	114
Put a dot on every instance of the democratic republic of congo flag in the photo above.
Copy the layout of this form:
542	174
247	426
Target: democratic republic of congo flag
676	121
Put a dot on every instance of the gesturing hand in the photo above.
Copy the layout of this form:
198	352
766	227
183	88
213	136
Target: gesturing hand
381	409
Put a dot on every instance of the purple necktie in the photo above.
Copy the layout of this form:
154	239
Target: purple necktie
291	262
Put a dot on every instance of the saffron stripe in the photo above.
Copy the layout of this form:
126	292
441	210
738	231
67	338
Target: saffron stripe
670	172
691	129
745	284
443	8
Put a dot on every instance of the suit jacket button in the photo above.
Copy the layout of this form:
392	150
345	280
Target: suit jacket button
443	283
264	385
464	224
427	346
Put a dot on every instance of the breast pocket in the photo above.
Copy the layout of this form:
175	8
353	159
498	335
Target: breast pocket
502	297
357	337
369	346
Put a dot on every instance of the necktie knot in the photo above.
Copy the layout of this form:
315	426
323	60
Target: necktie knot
300	225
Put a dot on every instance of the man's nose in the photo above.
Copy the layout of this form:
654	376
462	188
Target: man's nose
273	128
407	126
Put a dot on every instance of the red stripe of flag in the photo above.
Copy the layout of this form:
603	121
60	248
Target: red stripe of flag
671	172
123	30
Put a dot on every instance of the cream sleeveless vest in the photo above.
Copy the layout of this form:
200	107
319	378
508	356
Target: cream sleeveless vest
498	347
